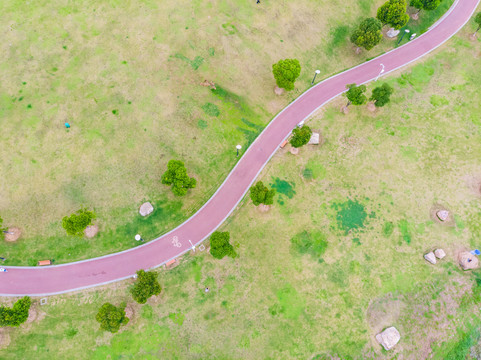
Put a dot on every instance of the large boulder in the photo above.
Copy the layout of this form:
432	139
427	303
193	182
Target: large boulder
430	257
442	215
314	140
392	33
145	209
468	261
439	253
388	338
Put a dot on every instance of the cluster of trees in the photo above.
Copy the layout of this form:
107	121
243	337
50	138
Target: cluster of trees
260	194
17	314
111	317
76	223
381	95
393	13
176	175
220	246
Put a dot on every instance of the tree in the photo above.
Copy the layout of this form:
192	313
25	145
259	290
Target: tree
145	286
381	95
477	20
286	72
301	136
76	223
260	194
393	13
16	315
425	4
355	94
368	34
111	317
219	245
176	175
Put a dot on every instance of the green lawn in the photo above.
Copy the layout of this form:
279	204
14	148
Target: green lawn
368	192
127	76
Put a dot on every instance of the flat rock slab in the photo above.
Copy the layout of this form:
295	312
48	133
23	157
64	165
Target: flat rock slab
145	209
430	258
392	33
468	261
314	140
439	253
389	338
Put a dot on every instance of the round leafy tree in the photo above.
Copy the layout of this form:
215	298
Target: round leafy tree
16	315
176	175
477	20
145	286
368	34
220	246
393	13
76	223
286	72
381	95
301	136
425	4
260	194
355	94
111	317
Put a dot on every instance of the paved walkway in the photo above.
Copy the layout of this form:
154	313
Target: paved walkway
78	275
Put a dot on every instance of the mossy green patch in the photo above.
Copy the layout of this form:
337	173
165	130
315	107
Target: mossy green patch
284	187
404	228
211	109
313	243
350	215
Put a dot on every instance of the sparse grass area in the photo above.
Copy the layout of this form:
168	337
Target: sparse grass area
368	193
127	76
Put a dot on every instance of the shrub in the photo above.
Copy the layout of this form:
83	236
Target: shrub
76	223
176	175
145	286
111	317
260	194
16	315
301	136
286	72
368	34
219	245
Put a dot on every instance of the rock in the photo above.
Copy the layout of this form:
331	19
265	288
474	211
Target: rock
392	33
439	253
430	257
145	209
91	231
314	140
388	338
468	261
294	151
442	215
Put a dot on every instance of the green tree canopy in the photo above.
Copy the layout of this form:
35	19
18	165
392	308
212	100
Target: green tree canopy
260	194
477	20
16	315
301	136
76	223
393	13
176	175
425	4
355	94
220	246
382	95
145	286
368	34
111	317
286	72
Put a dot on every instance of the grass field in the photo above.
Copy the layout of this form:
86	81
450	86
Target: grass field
126	77
367	192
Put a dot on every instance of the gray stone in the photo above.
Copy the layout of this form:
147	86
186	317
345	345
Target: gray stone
314	140
442	215
439	253
145	209
430	257
389	338
392	33
468	261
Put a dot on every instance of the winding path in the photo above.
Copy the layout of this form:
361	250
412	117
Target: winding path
36	281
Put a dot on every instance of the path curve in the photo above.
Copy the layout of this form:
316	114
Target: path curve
37	281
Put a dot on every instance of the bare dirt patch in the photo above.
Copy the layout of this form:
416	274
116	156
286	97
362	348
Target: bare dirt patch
294	151
13	234
91	231
472	37
263	208
278	91
473	182
433	214
345	110
371	107
4	338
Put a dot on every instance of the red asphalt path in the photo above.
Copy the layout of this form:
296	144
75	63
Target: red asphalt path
36	281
